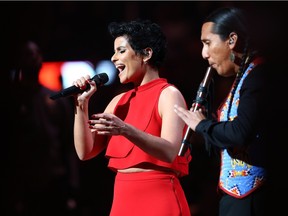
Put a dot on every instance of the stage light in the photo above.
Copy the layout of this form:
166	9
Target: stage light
60	75
106	66
71	70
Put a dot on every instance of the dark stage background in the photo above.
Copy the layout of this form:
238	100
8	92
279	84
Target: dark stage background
74	30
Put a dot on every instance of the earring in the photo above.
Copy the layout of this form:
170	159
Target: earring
232	56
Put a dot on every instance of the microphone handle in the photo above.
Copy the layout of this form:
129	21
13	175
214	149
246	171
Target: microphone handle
100	79
200	99
71	90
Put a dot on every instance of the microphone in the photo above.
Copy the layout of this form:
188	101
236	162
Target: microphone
200	100
100	79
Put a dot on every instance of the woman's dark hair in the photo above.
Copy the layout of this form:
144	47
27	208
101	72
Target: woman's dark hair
142	34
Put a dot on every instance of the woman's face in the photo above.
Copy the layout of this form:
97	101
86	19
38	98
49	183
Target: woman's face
216	51
127	62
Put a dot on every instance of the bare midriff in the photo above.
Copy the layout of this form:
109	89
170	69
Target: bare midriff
146	169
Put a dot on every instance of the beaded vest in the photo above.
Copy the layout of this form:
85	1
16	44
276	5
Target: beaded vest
238	178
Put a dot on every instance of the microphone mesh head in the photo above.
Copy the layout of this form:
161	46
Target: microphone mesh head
101	79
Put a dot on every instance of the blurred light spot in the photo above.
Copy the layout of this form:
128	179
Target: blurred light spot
71	71
50	75
106	66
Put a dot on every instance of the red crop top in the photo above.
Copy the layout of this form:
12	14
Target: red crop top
139	107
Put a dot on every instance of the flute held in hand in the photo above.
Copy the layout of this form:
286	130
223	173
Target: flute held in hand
200	100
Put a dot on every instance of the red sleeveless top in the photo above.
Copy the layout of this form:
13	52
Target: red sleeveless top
139	107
